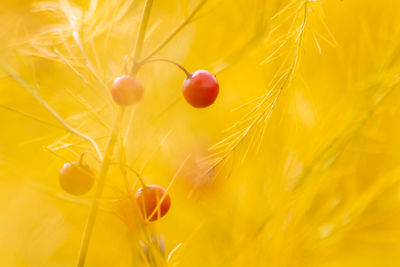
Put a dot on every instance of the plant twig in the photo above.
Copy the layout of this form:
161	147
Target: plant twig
264	109
46	105
33	117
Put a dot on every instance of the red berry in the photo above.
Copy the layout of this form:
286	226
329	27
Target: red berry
76	178
126	90
149	197
200	89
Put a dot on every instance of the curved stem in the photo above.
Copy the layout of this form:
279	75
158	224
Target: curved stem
188	74
81	157
99	191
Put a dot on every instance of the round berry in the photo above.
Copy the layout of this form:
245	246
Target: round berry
154	202
76	178
126	90
200	89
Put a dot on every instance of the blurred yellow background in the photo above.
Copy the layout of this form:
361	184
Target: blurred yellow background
312	180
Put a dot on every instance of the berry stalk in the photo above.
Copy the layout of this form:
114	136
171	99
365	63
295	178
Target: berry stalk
188	74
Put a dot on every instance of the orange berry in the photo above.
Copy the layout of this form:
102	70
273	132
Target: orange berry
126	90
76	178
153	201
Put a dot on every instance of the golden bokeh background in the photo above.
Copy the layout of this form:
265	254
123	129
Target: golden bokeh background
309	177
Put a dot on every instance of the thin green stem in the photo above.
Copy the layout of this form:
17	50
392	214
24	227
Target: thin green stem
99	191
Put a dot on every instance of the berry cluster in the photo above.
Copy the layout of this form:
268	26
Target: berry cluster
200	89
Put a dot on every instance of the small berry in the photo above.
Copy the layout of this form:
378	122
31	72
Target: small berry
149	197
126	90
76	178
200	89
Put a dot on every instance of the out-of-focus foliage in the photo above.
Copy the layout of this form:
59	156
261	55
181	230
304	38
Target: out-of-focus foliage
307	172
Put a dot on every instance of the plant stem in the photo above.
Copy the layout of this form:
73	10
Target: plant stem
176	31
105	164
142	32
99	191
169	61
